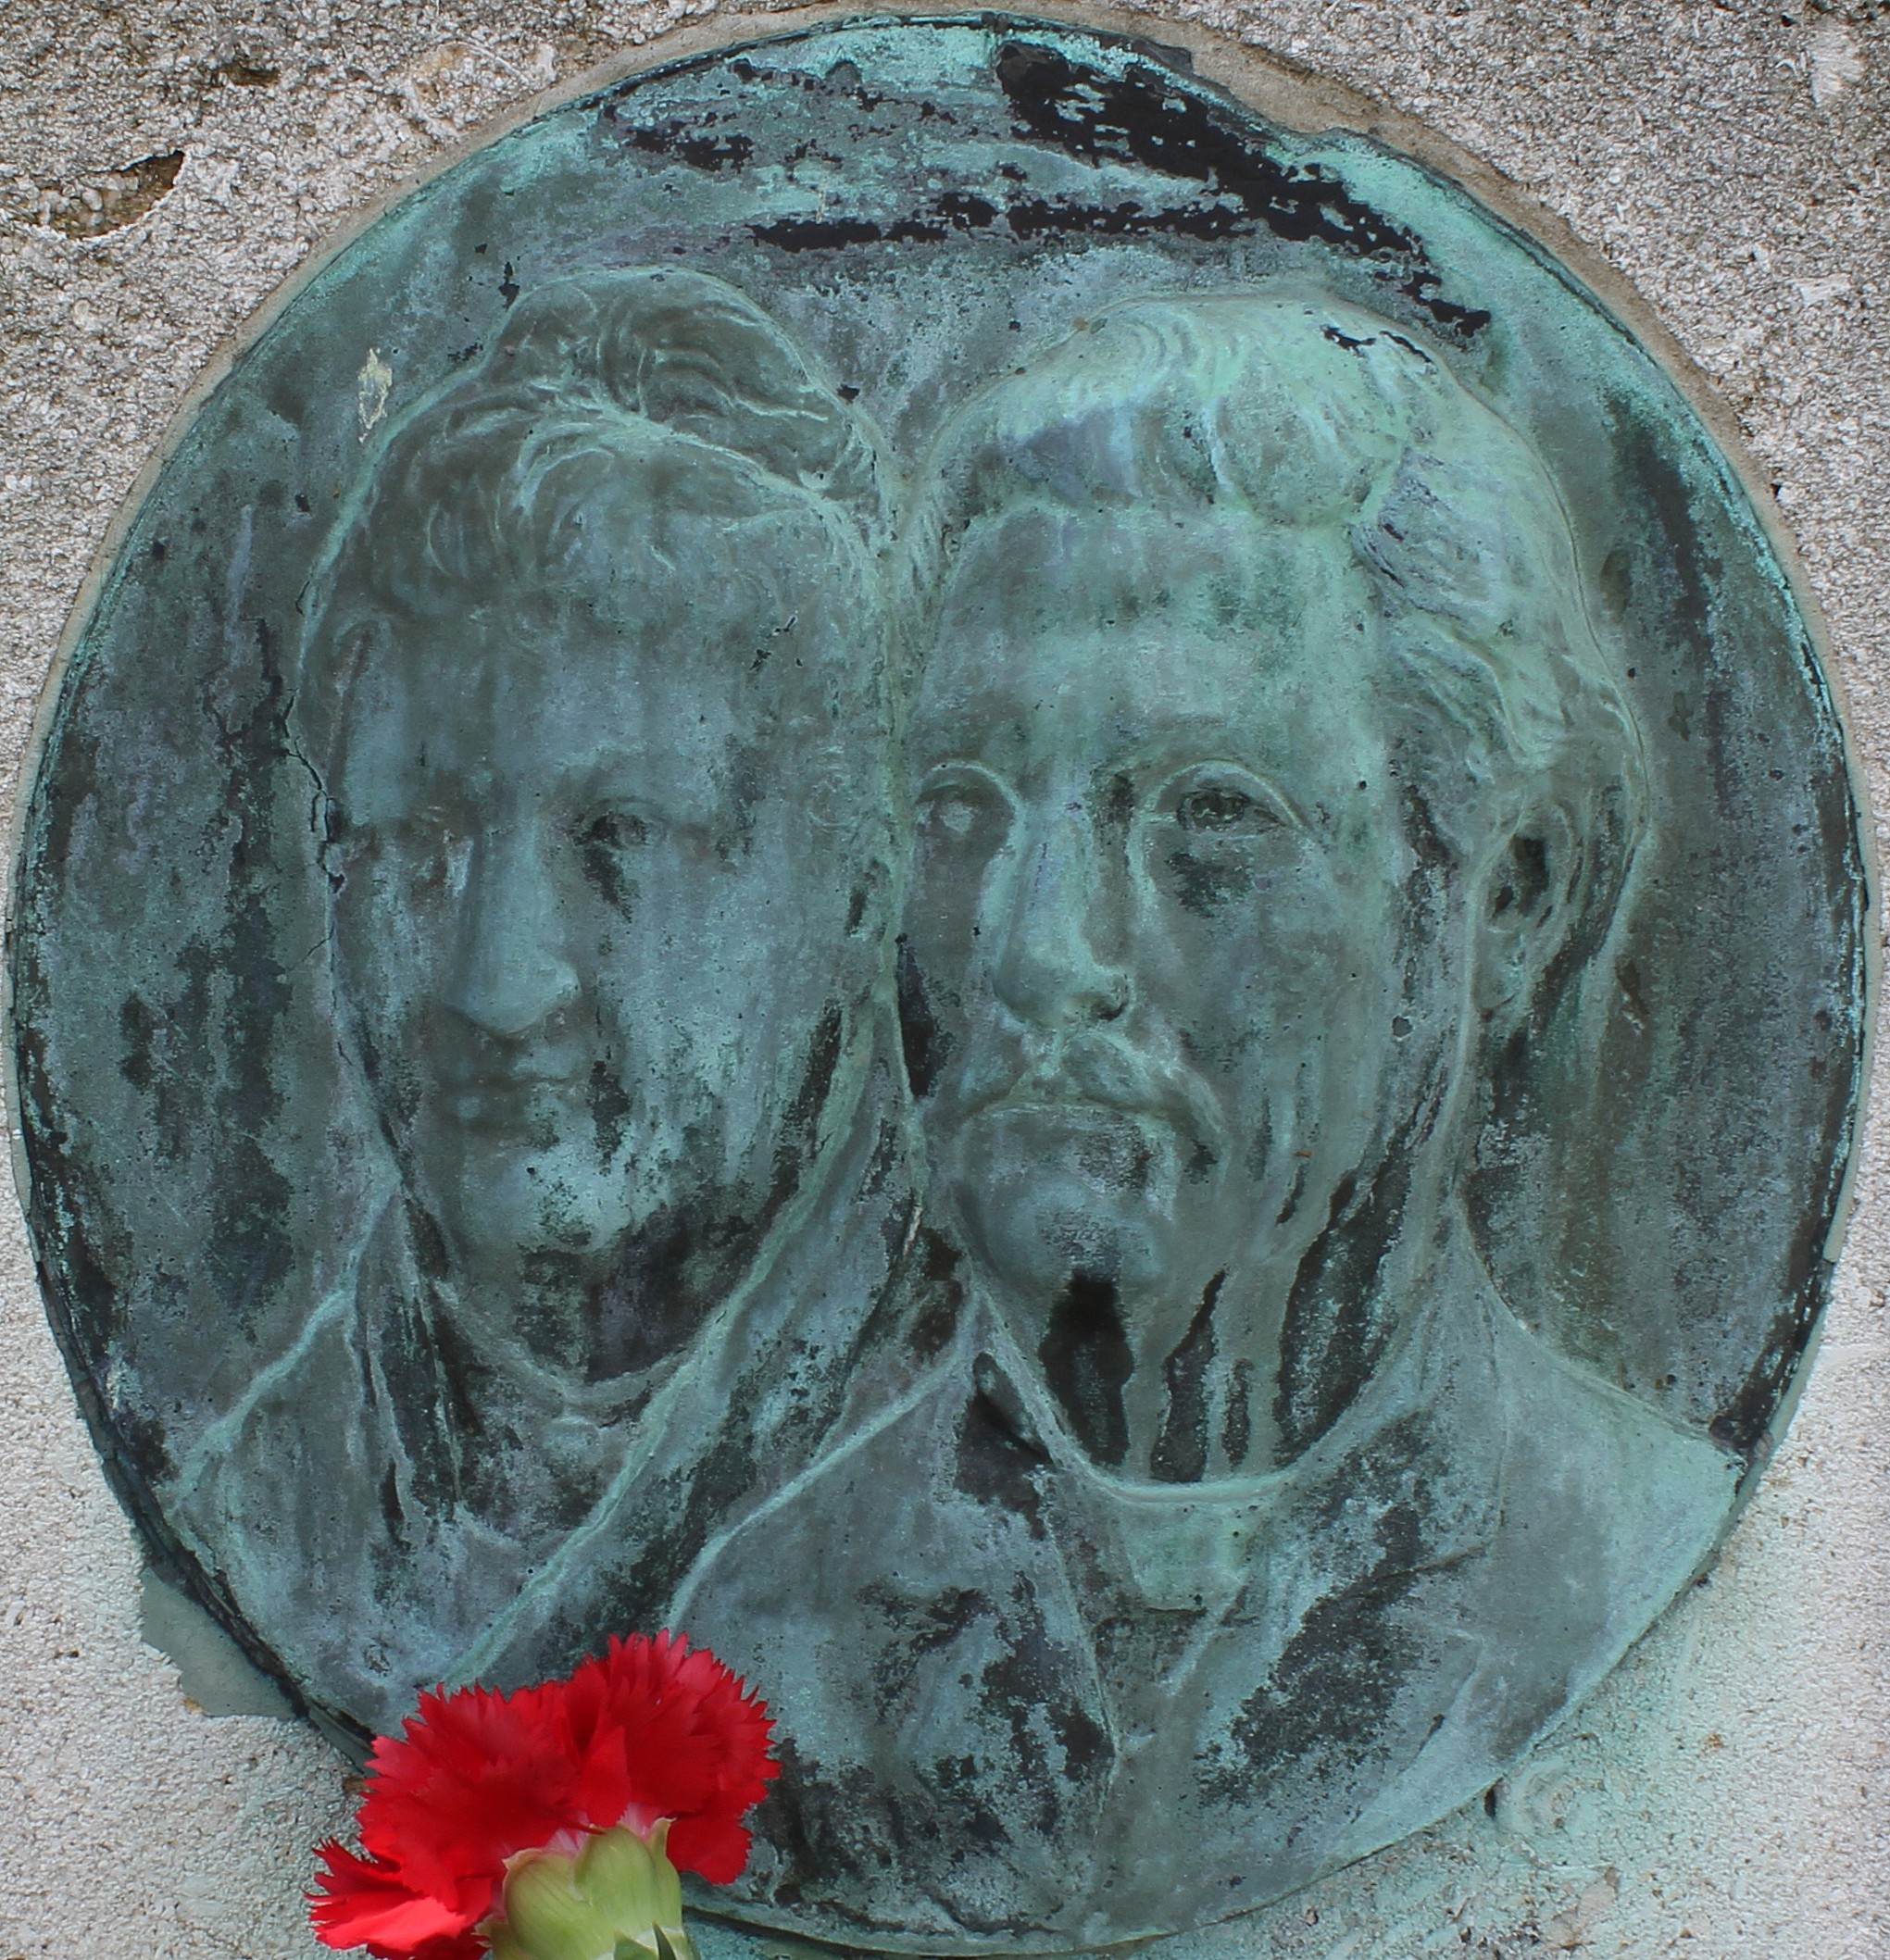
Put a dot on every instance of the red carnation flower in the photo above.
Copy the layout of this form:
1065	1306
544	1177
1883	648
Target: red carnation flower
650	1738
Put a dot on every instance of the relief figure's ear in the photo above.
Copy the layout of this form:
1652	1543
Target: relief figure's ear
1542	905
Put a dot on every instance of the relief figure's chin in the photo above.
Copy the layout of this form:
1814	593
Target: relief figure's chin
501	1196
1044	1194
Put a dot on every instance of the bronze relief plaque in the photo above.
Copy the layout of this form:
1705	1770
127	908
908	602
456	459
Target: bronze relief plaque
905	847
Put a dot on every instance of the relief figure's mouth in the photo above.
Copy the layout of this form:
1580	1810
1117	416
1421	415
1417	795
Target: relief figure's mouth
1096	1080
514	1102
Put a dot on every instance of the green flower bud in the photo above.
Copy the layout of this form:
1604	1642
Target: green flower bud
548	1915
619	1899
633	1883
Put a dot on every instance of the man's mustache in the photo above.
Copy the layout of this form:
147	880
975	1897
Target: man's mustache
1091	1070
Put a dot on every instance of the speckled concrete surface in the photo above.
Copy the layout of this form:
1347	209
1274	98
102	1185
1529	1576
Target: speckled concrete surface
1727	1795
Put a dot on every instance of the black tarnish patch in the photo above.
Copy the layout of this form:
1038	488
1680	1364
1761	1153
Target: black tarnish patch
998	1453
660	1289
249	1255
925	1044
812	1819
1032	1688
1203	886
942	1300
952	211
610	1109
1330	1696
1336	1327
1237	1427
687	143
1087	1362
1146	117
392	1515
1180	1454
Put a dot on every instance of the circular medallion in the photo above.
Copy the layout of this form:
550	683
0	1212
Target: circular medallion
1035	898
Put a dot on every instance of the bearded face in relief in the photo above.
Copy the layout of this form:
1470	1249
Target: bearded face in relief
1265	771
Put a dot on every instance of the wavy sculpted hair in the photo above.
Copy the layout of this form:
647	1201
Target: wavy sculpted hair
621	420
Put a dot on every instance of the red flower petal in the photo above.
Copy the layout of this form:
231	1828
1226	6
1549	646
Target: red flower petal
645	1731
670	1733
710	1847
364	1903
476	1777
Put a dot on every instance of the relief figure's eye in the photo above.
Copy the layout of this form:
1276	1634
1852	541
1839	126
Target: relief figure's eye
1221	807
962	808
425	855
1220	831
1221	802
607	840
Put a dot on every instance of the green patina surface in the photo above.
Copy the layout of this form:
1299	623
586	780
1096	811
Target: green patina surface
1043	905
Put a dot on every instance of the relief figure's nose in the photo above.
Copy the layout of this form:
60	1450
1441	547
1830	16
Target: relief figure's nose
511	974
1056	914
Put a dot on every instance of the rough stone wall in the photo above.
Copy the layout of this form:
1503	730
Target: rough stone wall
165	163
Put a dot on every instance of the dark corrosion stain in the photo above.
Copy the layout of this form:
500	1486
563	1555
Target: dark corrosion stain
81	1252
249	1254
1204	886
942	1295
1057	1749
1337	1325
80	1261
966	1786
1145	117
1087	1362
801	1124
680	1513
1745	1423
666	1279
168	1058
999	1454
925	1044
814	1820
1674	562
953	211
605	845
610	1107
393	1512
1180	1454
824	234
1331	1695
1237	1428
434	1382
1837	1063
690	142
663	1284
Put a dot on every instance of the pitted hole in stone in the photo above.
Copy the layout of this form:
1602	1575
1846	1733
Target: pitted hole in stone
120	199
237	73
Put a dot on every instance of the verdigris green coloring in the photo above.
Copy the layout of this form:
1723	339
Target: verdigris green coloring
902	847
